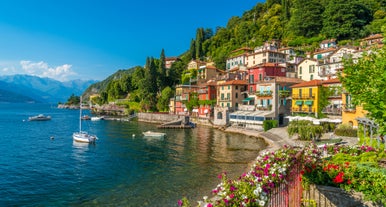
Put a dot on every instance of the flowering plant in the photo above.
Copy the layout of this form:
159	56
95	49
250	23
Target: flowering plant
351	168
254	187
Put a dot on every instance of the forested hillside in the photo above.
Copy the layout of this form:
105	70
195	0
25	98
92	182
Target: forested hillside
297	23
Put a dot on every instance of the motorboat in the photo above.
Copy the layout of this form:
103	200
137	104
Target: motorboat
153	134
39	117
86	117
83	136
96	118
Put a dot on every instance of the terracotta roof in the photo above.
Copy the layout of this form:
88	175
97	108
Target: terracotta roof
375	36
311	59
243	48
171	58
308	84
211	67
325	51
328	41
235	82
270	65
288	80
331	81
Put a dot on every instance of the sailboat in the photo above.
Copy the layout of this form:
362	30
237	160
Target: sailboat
83	136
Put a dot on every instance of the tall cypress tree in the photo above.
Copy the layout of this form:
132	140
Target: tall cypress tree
199	41
162	71
192	49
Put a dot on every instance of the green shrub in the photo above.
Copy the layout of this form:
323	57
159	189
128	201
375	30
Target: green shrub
269	124
346	131
305	130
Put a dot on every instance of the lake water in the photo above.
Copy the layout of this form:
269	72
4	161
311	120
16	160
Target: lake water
119	169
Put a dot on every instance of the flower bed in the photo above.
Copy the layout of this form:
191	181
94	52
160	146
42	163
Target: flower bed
350	168
254	187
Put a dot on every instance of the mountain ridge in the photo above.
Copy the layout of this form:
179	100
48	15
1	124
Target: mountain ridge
28	88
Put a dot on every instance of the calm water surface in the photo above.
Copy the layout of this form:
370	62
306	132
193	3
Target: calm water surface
119	170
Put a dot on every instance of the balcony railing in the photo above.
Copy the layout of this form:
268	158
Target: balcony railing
264	93
284	93
303	96
225	99
332	111
303	110
349	108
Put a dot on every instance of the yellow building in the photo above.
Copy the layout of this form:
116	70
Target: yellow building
350	112
305	97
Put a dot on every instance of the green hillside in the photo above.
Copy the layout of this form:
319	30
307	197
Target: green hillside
297	23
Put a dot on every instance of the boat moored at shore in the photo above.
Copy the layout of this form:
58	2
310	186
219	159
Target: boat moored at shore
39	117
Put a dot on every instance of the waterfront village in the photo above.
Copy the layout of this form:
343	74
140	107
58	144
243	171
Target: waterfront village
272	83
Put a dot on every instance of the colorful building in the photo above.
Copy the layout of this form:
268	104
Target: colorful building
305	97
231	93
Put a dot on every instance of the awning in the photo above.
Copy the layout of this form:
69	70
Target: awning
248	99
299	103
309	103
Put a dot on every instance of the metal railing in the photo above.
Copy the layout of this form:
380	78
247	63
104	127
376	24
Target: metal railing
289	193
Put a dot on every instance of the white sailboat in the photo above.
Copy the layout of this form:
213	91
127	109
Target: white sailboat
83	136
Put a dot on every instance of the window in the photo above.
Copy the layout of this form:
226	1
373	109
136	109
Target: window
300	70
229	87
228	96
222	96
237	87
251	78
237	95
310	92
251	89
228	104
300	93
311	77
260	77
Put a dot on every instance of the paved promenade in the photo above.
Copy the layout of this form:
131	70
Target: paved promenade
278	137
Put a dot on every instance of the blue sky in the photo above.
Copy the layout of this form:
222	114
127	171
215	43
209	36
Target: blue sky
92	39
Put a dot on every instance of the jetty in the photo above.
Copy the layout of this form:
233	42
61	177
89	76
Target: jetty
182	123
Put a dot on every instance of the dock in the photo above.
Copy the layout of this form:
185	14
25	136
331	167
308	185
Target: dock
182	123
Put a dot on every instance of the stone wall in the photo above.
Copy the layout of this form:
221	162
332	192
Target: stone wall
157	117
327	196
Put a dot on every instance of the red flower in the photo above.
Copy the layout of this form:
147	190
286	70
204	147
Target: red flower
339	178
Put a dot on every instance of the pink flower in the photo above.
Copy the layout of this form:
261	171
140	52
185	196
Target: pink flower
209	205
180	202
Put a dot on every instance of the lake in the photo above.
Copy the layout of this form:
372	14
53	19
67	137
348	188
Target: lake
122	168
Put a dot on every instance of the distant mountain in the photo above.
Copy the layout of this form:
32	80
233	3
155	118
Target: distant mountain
22	88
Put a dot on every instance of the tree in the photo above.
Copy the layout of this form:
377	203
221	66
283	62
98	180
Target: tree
344	19
192	49
161	81
366	83
163	100
306	18
199	41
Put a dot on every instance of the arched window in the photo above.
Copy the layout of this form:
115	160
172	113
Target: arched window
219	115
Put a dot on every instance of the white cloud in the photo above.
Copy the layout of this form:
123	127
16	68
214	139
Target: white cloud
42	69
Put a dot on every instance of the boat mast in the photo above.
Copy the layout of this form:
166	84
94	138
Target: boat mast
80	114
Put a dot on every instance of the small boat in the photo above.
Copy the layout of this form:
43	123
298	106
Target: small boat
83	136
96	118
39	117
153	134
86	117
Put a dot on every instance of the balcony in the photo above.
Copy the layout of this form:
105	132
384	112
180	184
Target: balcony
284	93
349	108
332	111
202	91
225	99
303	96
303	110
263	93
